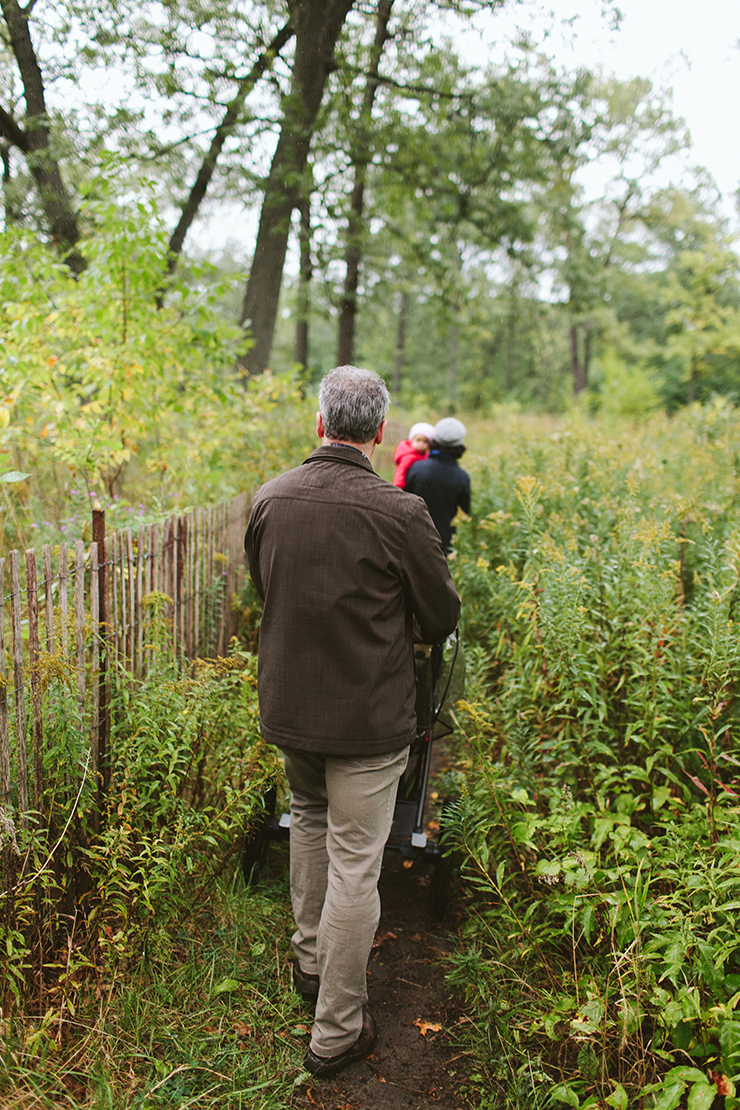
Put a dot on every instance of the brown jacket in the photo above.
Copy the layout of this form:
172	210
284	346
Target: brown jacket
344	561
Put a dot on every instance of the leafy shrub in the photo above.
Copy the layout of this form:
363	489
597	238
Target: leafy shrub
110	393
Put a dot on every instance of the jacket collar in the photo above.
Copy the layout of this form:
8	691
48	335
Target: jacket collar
340	454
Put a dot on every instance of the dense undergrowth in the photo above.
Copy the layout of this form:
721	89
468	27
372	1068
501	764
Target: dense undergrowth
596	827
599	824
135	971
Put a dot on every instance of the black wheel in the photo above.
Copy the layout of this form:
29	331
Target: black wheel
445	864
257	839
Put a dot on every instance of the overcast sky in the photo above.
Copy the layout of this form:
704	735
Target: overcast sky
690	46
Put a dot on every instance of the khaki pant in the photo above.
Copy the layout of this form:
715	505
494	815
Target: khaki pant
341	811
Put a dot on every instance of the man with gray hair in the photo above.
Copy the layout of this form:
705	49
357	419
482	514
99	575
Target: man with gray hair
345	563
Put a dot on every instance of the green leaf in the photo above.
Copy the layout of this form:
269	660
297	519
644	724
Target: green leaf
618	1098
14	476
684	1073
701	1096
588	920
661	794
226	986
670	1097
563	1093
729	1042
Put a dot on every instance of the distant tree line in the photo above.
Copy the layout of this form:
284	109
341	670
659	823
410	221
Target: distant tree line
435	206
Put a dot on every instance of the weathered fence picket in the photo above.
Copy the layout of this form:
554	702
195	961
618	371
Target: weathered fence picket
63	623
33	670
93	608
4	731
19	684
48	598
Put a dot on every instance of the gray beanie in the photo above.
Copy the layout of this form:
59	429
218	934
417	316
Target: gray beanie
449	432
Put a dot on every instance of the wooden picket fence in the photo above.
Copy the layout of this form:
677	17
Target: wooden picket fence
89	605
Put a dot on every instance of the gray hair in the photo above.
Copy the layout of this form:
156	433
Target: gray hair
353	404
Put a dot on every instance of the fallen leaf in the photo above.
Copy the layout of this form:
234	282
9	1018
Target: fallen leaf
427	1026
408	863
725	1086
380	938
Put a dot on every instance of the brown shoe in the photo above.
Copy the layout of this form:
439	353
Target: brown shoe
324	1066
306	985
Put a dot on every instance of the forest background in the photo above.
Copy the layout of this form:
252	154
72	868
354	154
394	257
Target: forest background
431	211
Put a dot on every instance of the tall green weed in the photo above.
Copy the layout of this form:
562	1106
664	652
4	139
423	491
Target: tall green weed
599	826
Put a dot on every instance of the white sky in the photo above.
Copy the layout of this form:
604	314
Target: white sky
689	46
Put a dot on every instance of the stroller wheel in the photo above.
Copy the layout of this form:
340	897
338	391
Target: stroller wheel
257	839
445	863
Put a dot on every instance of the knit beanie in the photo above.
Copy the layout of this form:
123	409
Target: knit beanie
422	430
449	432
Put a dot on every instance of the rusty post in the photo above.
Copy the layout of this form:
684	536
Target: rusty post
98	535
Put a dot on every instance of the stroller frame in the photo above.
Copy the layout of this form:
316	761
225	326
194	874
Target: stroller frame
407	830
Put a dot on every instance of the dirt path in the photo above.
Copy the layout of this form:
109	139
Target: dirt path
418	1061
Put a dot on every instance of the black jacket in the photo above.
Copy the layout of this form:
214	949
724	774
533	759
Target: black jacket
445	487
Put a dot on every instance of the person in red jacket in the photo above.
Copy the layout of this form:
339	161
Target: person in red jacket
412	450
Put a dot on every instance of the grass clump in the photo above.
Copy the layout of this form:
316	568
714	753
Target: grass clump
210	1019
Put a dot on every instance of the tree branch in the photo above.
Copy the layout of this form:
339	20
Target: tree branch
224	129
58	208
13	132
360	159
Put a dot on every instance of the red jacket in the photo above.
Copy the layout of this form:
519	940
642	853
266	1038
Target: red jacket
403	458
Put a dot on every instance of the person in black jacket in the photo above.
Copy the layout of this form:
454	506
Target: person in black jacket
440	480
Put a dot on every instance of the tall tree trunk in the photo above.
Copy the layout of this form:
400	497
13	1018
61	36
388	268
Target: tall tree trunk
578	365
400	358
454	359
511	349
317	27
10	211
300	352
693	379
35	139
355	226
224	129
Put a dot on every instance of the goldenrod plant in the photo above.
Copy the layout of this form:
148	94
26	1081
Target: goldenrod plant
599	823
